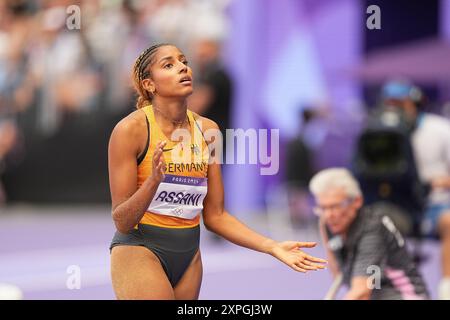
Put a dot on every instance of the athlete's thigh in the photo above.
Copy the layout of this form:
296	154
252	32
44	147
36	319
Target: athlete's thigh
188	288
137	273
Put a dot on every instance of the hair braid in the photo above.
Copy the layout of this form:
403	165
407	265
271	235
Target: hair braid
141	72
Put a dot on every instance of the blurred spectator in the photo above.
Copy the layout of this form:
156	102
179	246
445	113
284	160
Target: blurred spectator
63	78
15	25
299	168
125	22
300	163
8	139
213	85
11	148
431	145
363	245
183	21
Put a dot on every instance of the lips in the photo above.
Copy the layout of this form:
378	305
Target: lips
186	79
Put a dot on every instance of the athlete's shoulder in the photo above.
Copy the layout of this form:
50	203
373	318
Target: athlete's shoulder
206	123
132	126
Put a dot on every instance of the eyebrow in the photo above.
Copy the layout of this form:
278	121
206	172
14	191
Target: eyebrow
171	58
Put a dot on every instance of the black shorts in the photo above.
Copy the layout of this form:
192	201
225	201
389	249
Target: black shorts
174	247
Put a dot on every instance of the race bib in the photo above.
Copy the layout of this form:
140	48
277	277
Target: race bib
179	196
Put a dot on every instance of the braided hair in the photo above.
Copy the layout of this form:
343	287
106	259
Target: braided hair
141	72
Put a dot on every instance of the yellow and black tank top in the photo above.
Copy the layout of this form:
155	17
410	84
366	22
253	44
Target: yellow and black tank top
178	201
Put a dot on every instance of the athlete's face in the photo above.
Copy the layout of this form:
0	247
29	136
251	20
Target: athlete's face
170	74
337	210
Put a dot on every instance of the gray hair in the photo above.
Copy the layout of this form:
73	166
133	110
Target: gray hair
335	178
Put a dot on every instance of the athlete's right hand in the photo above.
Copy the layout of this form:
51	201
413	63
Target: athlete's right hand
158	163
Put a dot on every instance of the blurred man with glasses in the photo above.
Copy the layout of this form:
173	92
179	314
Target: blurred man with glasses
363	246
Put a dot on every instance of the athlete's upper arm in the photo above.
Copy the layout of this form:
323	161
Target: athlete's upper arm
214	201
122	164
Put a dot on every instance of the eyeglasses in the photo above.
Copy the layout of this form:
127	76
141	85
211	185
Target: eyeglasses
319	210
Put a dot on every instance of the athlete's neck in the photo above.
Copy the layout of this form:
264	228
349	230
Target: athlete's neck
170	113
174	110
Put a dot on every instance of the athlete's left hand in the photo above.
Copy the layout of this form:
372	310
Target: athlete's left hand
289	253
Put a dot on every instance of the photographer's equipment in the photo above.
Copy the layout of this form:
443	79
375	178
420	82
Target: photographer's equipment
385	167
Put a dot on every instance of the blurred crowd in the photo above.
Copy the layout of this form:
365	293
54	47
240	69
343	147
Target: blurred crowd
61	59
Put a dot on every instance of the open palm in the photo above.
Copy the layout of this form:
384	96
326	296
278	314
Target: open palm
289	253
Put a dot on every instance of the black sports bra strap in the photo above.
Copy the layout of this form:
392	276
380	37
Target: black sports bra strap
142	155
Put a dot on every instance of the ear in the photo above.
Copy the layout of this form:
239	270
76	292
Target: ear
358	202
149	85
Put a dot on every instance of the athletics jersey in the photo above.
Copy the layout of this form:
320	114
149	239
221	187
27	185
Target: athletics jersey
178	201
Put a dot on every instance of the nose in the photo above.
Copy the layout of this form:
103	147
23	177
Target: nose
183	67
330	213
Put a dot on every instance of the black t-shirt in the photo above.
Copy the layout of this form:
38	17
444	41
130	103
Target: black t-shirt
299	169
374	248
218	80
